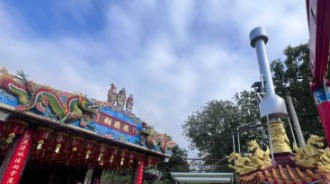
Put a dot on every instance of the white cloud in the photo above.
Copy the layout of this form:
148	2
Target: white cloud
173	57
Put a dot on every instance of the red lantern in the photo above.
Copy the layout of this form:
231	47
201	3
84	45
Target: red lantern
75	142
122	155
112	153
89	147
59	140
43	134
15	127
101	151
140	158
130	157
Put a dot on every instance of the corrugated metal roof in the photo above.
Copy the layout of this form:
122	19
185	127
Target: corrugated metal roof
191	177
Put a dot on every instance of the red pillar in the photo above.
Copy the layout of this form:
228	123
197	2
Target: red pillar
138	173
17	158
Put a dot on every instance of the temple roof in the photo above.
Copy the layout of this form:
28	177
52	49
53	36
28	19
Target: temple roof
282	174
112	121
285	170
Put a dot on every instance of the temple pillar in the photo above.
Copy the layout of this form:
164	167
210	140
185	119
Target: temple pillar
138	173
96	177
16	157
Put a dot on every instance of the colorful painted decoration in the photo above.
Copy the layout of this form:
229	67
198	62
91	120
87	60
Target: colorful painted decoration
113	119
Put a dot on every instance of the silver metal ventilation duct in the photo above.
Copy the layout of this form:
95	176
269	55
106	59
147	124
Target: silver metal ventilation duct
271	105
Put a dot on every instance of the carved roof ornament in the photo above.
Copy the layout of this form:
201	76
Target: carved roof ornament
280	140
257	159
310	154
112	95
129	103
121	98
324	163
119	101
112	119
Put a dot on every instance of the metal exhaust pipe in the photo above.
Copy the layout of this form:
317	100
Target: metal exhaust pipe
271	105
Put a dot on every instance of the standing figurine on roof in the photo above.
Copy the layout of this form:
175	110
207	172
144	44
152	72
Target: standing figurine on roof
129	103
121	98
112	95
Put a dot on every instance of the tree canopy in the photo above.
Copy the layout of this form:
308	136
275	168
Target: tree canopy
177	163
291	77
210	129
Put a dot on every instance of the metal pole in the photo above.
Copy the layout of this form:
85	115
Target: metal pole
258	41
234	143
271	105
238	142
296	123
293	136
270	139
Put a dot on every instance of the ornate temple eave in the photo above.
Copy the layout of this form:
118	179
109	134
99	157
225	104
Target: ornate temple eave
282	173
284	170
39	120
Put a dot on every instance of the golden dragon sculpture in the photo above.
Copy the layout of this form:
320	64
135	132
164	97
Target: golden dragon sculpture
256	159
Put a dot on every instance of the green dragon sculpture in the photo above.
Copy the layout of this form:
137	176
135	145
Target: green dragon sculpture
44	98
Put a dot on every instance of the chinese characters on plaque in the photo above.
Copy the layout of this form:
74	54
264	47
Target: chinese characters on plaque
115	124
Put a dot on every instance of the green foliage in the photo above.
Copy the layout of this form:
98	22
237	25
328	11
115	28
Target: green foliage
152	175
211	127
209	130
117	177
248	105
177	163
291	78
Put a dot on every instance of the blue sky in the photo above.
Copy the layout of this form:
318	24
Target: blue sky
173	56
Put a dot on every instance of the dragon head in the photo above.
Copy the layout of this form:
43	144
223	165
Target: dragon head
88	105
234	156
31	86
167	143
316	141
253	146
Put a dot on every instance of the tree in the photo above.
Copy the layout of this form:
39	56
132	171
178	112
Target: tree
177	163
247	103
291	77
210	130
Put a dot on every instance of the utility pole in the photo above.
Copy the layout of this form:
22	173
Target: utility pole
296	123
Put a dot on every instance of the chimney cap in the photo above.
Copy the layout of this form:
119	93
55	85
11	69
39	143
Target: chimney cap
256	34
